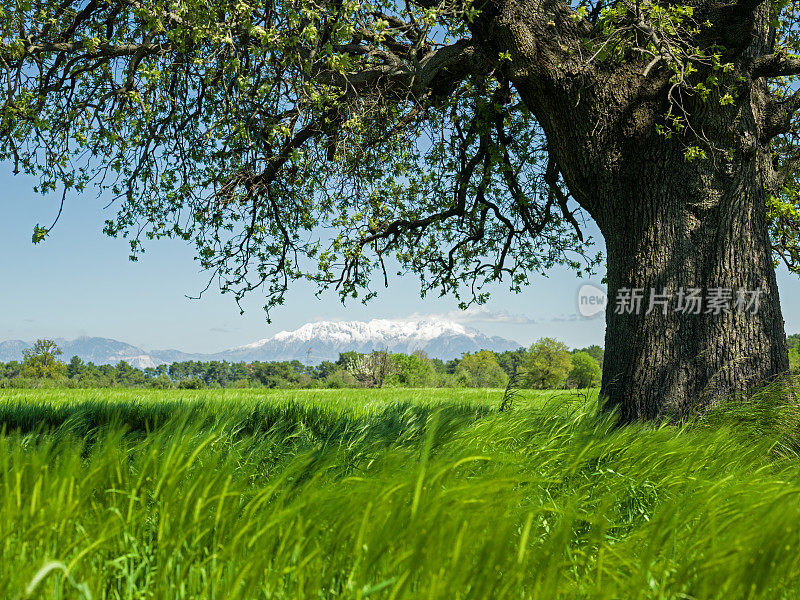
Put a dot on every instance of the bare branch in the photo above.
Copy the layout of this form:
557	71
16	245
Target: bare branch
551	178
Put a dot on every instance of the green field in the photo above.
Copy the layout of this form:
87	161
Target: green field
390	494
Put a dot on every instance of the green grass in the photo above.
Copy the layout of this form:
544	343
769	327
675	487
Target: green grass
390	494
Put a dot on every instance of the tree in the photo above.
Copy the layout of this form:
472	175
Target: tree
126	375
412	370
511	360
41	361
595	351
75	367
11	370
547	364
586	371
468	140
483	369
794	360
275	374
371	370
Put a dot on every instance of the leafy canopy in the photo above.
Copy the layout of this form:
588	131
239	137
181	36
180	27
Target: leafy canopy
481	369
547	364
585	372
319	139
42	362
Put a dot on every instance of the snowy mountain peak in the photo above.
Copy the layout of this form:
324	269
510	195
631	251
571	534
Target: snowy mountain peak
376	330
311	343
324	340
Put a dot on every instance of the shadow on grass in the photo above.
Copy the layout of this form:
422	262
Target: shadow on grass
396	424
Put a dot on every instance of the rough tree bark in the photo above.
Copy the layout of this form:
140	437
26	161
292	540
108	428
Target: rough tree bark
668	222
684	232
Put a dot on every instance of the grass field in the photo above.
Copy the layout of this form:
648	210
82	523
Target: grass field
390	494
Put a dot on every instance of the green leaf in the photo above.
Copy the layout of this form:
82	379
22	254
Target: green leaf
39	233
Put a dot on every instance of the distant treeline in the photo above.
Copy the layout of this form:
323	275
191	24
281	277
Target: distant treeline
547	364
41	366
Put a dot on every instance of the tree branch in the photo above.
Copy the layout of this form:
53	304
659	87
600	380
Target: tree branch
740	9
103	50
438	71
551	178
775	65
734	23
748	5
779	116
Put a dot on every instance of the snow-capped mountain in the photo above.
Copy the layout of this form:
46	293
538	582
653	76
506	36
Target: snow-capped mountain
326	339
313	342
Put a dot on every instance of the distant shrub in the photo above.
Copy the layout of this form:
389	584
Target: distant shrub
794	360
306	382
481	369
463	379
340	379
547	364
586	371
193	383
162	382
444	380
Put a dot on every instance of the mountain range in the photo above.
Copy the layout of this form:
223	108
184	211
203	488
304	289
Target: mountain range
312	343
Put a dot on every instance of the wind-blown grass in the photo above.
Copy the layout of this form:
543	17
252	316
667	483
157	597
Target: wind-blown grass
394	494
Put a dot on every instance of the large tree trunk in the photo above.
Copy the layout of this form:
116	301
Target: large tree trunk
689	227
670	224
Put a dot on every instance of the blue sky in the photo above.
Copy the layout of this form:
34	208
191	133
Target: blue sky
80	282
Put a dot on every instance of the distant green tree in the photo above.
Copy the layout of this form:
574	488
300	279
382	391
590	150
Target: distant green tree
11	370
547	365
793	341
794	360
346	359
451	366
510	360
126	375
41	361
482	370
340	379
586	371
412	370
217	372
595	351
276	374
438	365
75	367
